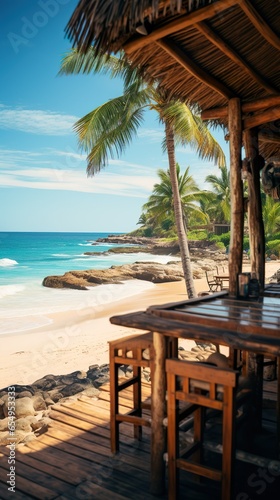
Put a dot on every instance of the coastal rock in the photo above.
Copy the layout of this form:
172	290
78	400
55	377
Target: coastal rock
46	383
5	438
148	271
2	409
33	406
24	407
39	403
4	424
70	390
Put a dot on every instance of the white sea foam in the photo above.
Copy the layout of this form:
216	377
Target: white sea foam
6	290
30	308
85	244
122	258
7	262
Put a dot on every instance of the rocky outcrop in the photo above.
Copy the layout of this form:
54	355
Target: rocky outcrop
147	271
28	416
155	246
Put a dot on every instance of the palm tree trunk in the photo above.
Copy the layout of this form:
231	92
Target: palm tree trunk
182	236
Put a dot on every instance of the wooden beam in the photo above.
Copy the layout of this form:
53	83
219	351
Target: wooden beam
247	107
269	115
214	113
187	63
179	24
269	136
214	38
236	190
255	219
260	24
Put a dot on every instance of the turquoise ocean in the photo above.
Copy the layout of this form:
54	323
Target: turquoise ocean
27	258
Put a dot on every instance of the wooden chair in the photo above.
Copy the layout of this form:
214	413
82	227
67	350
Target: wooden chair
137	351
203	387
212	283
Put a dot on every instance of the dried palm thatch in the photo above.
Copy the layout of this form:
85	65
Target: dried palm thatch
110	23
201	51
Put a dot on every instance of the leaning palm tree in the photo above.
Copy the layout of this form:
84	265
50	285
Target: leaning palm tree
110	128
160	205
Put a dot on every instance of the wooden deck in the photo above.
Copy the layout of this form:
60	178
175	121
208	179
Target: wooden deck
72	460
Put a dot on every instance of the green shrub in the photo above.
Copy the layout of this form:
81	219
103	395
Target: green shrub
246	243
273	247
219	244
197	235
225	238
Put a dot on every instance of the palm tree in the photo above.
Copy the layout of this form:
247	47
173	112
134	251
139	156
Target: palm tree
271	215
221	200
111	127
160	206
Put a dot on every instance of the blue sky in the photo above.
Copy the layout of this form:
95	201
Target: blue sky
43	181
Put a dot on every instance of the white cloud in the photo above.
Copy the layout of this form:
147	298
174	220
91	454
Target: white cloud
36	121
151	135
68	180
66	171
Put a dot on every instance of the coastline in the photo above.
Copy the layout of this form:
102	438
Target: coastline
78	339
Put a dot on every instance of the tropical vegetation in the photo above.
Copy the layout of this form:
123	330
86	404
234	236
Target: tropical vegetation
158	213
202	209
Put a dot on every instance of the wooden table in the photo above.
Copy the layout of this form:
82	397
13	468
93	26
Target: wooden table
220	278
241	324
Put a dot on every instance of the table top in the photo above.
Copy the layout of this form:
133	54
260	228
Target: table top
245	316
272	290
242	324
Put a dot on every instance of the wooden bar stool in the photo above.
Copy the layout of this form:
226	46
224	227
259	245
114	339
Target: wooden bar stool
137	351
202	386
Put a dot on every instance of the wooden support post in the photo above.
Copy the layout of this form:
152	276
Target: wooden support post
236	189
158	434
255	219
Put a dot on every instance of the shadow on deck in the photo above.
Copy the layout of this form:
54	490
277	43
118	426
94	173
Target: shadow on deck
72	460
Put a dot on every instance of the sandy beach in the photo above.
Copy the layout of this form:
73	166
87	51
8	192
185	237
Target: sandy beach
78	339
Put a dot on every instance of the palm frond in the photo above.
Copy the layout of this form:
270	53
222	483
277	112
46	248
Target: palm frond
107	131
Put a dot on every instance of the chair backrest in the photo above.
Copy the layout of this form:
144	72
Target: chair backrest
209	276
200	383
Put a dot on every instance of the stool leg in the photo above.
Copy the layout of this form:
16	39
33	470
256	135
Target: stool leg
259	389
278	407
114	403
229	412
172	439
198	428
137	400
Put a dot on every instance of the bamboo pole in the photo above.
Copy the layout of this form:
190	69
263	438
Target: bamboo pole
236	189
255	219
158	432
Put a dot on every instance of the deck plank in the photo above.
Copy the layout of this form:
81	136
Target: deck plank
73	458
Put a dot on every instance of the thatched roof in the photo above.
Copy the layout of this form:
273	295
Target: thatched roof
201	51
